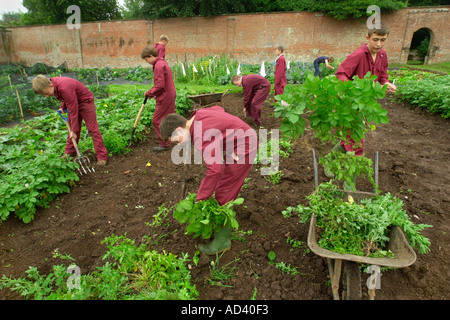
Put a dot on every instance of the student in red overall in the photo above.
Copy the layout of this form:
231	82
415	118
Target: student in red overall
163	91
79	102
256	90
212	129
280	72
161	46
369	57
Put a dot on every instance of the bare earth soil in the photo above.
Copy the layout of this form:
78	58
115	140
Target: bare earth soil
414	165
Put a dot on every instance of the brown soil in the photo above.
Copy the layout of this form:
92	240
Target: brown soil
413	165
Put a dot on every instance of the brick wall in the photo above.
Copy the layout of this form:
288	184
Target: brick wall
249	38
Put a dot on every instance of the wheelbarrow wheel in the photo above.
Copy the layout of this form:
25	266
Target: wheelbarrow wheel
351	281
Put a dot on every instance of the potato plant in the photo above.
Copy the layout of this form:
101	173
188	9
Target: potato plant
32	173
204	217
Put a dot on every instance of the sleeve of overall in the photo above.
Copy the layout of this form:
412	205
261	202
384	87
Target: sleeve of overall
347	68
384	77
70	101
158	82
248	90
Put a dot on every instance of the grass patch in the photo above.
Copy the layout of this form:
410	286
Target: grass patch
440	67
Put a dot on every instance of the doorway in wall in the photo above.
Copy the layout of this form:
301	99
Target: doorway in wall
420	46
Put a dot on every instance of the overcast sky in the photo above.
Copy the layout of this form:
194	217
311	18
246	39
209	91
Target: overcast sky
16	6
11	5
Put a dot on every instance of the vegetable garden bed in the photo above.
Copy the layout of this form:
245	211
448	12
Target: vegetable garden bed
126	198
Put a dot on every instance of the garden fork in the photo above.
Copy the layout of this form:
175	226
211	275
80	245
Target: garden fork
83	161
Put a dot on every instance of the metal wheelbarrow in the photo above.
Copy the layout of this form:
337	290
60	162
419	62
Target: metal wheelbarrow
345	266
83	161
208	98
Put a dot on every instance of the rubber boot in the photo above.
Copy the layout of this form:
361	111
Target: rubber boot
221	242
348	187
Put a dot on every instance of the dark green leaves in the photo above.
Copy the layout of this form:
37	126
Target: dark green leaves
359	228
206	216
333	108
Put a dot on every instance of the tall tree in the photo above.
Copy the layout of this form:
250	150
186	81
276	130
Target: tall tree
51	12
154	9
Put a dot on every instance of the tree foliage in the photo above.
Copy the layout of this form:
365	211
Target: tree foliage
154	9
53	12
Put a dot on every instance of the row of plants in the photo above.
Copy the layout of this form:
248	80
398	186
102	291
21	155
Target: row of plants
209	70
423	89
31	170
136	74
219	70
130	272
19	101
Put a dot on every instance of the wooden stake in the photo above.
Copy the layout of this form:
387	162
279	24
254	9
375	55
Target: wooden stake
20	105
10	85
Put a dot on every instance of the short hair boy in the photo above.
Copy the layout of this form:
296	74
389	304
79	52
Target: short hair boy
163	91
161	46
224	179
79	102
280	72
256	90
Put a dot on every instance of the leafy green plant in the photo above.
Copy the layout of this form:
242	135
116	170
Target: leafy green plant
335	109
346	167
204	217
286	268
135	273
138	74
220	275
272	256
359	228
158	218
274	177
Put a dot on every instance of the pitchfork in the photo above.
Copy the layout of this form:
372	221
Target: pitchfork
83	161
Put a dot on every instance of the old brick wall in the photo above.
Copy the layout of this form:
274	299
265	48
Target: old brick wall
249	38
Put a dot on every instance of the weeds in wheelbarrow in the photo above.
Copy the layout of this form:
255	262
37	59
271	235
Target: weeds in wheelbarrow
359	228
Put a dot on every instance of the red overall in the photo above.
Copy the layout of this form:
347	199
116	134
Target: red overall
359	63
256	90
79	101
164	92
280	75
214	130
161	50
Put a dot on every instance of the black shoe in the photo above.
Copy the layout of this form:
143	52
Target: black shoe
159	148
